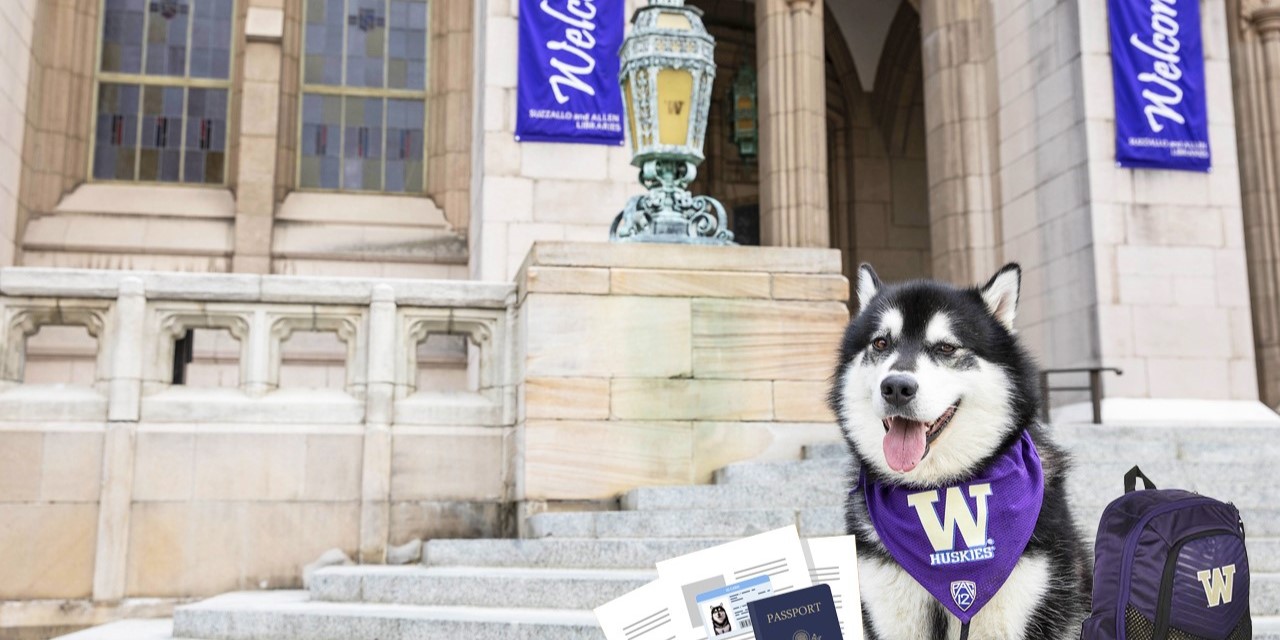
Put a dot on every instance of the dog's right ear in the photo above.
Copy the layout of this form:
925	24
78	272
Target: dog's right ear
868	285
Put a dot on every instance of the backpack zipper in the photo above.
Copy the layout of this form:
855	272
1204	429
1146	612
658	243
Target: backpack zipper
1165	603
1131	544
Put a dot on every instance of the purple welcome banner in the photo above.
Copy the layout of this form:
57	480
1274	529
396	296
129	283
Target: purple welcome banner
568	83
1157	64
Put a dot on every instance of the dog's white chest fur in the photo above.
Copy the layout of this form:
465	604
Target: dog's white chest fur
899	607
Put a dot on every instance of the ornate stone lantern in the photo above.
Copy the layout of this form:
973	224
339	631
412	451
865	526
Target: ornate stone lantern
668	66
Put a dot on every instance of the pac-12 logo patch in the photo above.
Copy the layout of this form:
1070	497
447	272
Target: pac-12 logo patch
964	592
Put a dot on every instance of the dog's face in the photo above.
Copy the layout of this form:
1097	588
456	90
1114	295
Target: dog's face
931	381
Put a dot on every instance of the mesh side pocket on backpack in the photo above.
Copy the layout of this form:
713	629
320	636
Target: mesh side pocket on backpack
1138	627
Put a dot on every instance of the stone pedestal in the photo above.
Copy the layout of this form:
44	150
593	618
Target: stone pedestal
656	364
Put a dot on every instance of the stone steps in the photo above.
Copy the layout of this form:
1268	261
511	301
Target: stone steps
526	588
698	523
290	615
1124	443
545	586
597	553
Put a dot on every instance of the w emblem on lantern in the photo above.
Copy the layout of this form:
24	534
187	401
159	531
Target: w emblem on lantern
964	592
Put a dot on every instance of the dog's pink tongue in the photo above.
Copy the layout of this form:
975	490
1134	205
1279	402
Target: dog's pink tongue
904	444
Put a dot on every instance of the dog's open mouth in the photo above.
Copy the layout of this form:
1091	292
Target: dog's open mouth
906	441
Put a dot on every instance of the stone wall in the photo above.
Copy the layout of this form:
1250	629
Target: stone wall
1138	269
528	191
656	364
1169	254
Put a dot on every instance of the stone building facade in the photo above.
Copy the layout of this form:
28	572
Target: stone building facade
272	193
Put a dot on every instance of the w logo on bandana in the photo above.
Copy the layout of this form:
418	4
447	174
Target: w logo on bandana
956	514
964	592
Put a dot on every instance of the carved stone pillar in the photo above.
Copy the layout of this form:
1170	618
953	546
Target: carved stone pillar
259	138
793	123
963	225
1255	59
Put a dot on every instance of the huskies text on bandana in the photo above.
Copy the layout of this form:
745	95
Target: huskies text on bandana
961	541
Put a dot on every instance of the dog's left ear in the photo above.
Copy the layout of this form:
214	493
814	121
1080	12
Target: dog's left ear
1001	293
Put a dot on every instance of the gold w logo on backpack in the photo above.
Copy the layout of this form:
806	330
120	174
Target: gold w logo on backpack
1217	584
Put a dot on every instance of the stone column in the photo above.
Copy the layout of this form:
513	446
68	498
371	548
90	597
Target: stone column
375	484
793	123
1256	62
964	233
259	138
110	567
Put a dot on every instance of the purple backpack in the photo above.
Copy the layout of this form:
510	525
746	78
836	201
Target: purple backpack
1169	564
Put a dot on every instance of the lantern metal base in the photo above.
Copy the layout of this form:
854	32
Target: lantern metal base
668	212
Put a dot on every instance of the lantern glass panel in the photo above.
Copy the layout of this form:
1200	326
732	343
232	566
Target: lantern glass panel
675	98
673	20
631	115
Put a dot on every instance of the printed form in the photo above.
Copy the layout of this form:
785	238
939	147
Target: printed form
777	554
834	561
644	614
730	575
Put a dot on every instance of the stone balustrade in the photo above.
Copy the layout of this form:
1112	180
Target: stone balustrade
131	485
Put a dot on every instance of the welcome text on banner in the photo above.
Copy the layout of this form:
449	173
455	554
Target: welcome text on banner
1158	73
568	71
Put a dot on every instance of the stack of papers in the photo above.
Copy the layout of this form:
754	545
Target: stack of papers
705	594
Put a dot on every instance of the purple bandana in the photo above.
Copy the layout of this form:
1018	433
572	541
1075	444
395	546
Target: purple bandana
962	541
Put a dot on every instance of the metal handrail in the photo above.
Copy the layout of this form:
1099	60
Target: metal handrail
1094	388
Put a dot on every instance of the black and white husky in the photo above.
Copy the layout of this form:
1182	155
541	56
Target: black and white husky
959	390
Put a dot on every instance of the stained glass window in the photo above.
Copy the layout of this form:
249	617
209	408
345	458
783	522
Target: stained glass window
363	107
163	81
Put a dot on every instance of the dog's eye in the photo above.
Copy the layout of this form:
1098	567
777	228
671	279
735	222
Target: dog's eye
880	344
945	349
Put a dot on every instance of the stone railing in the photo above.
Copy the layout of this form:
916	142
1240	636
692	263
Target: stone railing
126	481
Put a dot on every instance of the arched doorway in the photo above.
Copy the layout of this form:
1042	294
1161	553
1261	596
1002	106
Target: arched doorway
876	142
878	192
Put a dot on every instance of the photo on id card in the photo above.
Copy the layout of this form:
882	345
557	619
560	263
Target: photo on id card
724	610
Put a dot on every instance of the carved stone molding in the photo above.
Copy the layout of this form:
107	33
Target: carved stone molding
1265	19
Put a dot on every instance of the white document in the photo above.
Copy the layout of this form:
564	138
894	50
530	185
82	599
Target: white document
652	612
777	554
834	561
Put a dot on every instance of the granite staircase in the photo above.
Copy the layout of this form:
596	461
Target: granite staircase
544	587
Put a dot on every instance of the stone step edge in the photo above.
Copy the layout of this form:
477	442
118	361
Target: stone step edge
297	602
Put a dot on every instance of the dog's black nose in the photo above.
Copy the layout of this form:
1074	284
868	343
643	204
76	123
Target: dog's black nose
898	389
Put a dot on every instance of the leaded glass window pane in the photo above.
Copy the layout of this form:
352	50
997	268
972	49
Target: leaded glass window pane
366	42
321	144
206	147
163	85
326	21
211	39
122	23
167	37
406	51
116	139
161	144
404	145
362	144
364	73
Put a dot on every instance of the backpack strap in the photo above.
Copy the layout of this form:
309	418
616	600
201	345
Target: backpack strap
1131	480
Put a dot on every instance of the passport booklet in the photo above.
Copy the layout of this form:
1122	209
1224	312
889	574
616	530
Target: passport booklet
803	614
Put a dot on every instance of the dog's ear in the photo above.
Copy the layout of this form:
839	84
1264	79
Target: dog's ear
1001	293
868	286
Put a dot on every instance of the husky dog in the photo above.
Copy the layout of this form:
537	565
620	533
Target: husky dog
931	386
